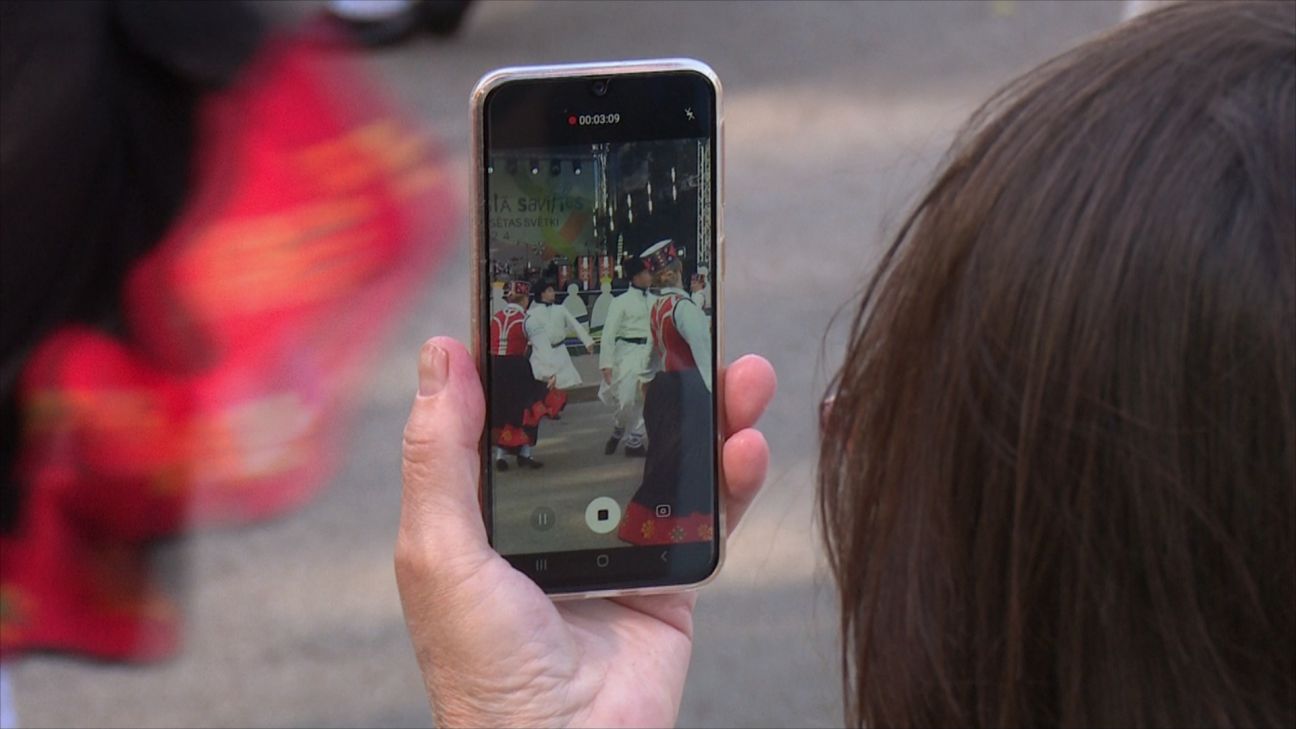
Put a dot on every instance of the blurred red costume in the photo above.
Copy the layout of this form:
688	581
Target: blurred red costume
315	213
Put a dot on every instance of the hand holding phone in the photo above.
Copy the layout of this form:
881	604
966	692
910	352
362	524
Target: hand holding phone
493	648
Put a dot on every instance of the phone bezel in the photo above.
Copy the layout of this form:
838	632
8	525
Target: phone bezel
477	255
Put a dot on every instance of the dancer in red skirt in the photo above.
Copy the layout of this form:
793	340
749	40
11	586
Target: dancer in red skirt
518	400
674	500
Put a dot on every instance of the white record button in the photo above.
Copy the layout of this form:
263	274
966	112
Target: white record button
603	515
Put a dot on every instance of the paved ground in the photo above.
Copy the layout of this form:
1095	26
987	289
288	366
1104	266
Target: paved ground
836	112
575	473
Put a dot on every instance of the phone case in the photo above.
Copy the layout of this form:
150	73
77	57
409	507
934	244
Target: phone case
477	261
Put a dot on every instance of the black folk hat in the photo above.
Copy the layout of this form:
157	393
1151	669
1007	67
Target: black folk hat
660	255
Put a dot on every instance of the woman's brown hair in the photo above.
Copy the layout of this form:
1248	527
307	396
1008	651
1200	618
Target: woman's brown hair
1058	481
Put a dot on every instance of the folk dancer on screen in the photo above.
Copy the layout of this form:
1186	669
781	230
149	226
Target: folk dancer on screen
674	501
624	358
518	401
700	289
547	325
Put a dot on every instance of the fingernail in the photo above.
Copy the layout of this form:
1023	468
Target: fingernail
434	367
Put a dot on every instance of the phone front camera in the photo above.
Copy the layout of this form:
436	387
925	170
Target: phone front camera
599	87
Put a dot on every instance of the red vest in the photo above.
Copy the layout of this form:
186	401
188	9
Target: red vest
508	333
675	352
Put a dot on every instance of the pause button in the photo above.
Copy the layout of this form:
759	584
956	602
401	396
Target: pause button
543	518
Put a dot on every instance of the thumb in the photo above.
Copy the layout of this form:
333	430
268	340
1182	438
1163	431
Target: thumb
440	511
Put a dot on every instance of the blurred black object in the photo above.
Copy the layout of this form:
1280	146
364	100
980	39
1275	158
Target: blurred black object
96	135
439	17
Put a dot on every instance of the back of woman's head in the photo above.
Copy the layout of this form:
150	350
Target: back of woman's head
1058	482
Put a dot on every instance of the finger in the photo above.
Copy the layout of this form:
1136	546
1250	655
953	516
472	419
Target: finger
749	385
746	459
440	463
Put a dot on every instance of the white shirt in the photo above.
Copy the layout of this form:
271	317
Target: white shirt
551	322
546	327
629	317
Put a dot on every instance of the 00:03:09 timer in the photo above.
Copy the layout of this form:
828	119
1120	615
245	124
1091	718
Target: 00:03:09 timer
588	119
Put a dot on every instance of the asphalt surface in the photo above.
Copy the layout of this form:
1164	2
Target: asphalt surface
836	114
575	473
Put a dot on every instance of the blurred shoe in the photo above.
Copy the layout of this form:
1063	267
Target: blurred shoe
376	23
611	446
528	462
636	451
501	464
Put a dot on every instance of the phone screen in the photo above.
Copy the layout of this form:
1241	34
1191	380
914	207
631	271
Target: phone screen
598	328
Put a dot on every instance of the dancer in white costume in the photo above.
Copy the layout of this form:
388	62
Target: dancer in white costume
547	326
627	349
700	290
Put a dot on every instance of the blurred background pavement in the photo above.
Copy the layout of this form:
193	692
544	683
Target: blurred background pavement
836	114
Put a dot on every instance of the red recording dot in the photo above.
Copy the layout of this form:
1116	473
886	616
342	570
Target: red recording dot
571	120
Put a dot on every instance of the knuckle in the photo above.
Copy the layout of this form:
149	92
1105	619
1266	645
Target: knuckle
416	433
417	445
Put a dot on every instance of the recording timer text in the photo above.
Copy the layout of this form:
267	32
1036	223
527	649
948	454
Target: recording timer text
593	119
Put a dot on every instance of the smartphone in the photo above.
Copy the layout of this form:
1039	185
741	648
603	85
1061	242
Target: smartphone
597	196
